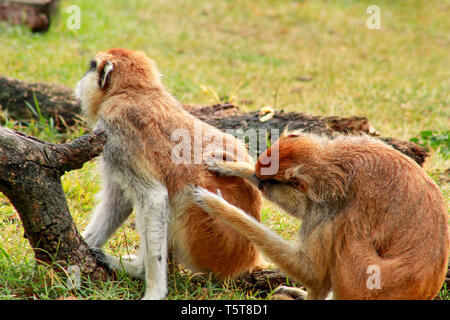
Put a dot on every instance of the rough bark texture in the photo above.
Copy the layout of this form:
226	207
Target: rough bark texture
55	101
30	176
266	280
36	14
58	102
228	116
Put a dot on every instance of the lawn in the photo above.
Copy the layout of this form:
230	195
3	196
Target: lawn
309	56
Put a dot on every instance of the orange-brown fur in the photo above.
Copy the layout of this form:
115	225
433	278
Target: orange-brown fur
213	244
135	102
362	204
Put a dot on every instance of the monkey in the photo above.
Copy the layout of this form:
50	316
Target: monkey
374	224
150	164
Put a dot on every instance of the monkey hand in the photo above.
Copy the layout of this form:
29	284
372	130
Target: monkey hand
230	168
289	293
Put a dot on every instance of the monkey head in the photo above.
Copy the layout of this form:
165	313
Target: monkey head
308	172
115	72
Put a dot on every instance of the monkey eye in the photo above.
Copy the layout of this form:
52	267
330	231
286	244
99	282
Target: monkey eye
267	182
298	184
294	183
92	65
271	181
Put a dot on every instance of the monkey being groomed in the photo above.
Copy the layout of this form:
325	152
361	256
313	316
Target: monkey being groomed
374	224
122	94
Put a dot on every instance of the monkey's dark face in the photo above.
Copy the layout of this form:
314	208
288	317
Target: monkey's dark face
102	70
91	89
308	172
286	195
92	66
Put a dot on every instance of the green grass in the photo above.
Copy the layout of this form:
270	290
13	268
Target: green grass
250	53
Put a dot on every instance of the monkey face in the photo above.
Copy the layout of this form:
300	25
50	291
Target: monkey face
292	186
286	195
114	72
307	172
91	88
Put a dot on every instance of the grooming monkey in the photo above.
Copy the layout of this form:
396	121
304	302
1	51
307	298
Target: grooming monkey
374	224
122	94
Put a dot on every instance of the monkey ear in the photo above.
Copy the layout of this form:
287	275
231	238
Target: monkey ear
299	184
105	75
296	180
291	134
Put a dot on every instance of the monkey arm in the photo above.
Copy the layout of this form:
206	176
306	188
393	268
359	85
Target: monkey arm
242	169
291	260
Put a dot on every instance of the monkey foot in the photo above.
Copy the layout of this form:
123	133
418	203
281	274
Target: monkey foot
289	293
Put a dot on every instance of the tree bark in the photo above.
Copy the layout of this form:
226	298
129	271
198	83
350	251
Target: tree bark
30	176
228	116
58	102
266	280
54	101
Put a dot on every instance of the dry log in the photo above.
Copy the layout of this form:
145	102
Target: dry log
36	14
30	176
228	116
265	280
58	102
54	100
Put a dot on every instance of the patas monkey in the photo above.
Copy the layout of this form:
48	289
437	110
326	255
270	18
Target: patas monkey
122	94
374	223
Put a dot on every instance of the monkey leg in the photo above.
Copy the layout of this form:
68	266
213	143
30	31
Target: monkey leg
150	263
152	221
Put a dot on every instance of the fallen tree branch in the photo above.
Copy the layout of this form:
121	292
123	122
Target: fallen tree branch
58	102
228	116
54	101
265	280
36	14
30	176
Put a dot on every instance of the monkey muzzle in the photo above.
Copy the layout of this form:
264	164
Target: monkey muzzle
266	186
263	187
